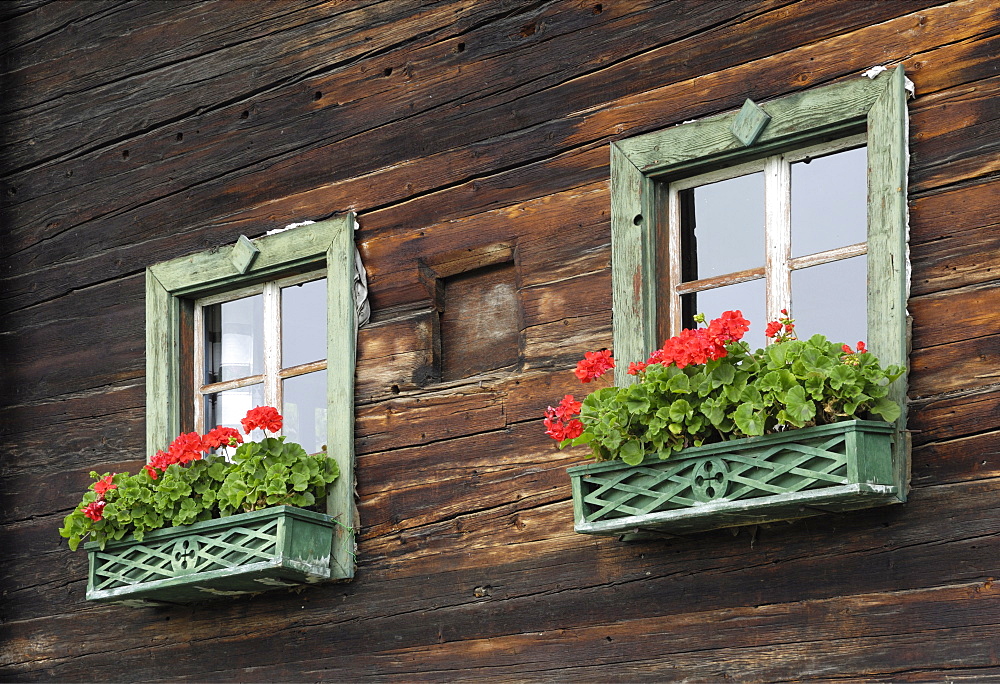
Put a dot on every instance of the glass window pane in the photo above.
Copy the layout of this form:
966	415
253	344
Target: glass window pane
724	226
230	407
832	300
829	202
303	323
746	297
234	339
304	410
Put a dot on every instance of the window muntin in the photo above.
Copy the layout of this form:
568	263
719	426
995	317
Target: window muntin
264	345
740	225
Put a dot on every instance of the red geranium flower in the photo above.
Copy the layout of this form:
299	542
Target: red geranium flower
773	328
559	431
567	408
94	510
729	327
862	348
263	417
222	436
635	367
560	423
104	484
187	447
594	365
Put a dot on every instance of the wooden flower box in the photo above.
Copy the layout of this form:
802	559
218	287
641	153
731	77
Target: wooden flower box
246	553
793	474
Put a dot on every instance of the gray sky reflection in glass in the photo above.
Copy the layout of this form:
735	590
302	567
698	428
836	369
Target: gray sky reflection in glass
831	299
234	339
746	297
829	202
303	340
303	323
718	207
305	410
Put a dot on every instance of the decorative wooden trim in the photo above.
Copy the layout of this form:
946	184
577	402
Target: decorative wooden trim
643	166
694	147
341	362
632	276
324	245
888	252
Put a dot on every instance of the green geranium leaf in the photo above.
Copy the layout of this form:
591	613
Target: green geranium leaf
886	409
840	376
798	407
680	409
679	384
631	452
637	405
724	374
749	421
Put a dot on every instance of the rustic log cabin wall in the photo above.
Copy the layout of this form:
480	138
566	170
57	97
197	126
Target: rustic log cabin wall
472	139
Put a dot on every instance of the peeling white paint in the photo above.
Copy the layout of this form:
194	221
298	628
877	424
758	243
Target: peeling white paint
221	592
290	226
270	582
908	84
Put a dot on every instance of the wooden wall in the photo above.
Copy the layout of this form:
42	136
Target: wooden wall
471	137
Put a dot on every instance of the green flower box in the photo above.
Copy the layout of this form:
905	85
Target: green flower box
246	553
783	476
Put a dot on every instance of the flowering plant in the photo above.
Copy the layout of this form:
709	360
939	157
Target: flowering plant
705	385
186	484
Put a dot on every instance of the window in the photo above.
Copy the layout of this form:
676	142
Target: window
254	323
762	210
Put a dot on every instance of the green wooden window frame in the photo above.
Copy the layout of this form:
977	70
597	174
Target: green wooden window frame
643	166
171	289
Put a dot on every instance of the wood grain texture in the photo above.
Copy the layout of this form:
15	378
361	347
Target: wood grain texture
134	133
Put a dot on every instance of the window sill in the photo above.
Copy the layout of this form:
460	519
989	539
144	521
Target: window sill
785	476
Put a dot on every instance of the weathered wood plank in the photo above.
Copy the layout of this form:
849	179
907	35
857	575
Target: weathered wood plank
108	402
956	367
70	353
940	418
413	420
952	212
955	315
243	54
366	99
763	643
603	576
954	135
544	110
557	236
966	458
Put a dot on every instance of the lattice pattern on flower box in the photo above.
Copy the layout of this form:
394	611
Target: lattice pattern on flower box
788	475
246	553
